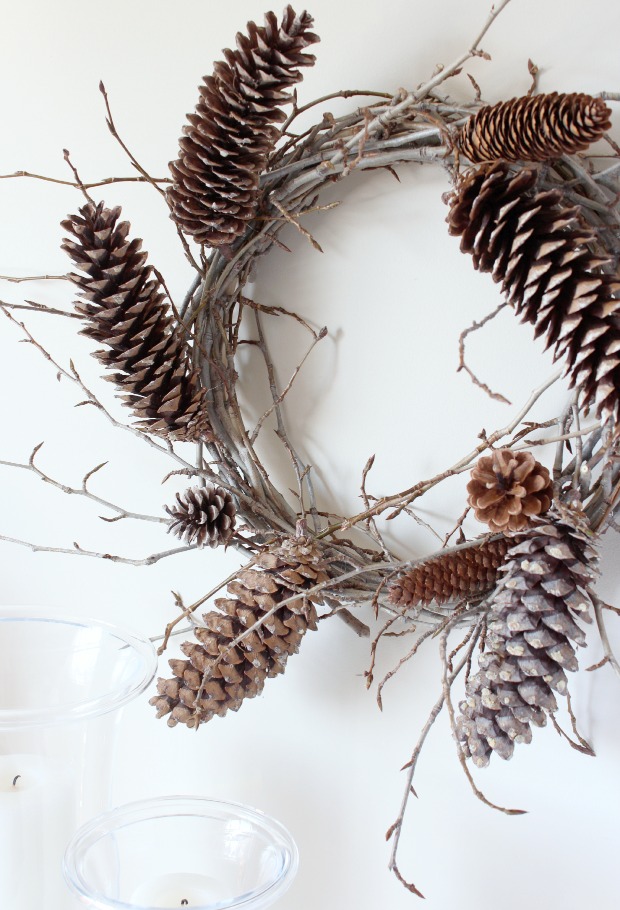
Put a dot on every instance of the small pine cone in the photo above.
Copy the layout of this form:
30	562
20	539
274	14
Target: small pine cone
203	515
464	574
507	488
124	307
534	128
231	134
538	249
545	587
225	675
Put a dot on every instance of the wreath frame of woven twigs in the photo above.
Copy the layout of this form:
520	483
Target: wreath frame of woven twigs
412	127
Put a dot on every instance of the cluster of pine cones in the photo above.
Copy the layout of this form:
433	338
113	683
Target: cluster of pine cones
539	249
536	573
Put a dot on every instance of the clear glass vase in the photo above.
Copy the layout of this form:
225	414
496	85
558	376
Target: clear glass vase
63	682
181	851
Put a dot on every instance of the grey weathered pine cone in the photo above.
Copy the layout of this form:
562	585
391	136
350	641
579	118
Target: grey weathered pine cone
545	588
229	137
507	488
124	308
217	675
534	128
464	574
538	249
203	515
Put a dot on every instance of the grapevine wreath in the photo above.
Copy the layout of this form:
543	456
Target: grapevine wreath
528	205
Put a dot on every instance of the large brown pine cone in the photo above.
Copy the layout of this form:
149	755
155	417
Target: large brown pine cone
203	515
534	128
231	133
217	675
464	574
538	249
507	488
124	307
545	586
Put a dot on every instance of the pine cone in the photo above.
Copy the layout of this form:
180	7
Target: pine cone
203	515
466	573
546	585
537	248
217	677
231	134
534	128
124	307
507	488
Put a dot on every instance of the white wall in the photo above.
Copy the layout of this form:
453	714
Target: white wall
394	292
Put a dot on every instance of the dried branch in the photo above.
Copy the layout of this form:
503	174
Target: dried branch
463	366
82	490
80	551
107	181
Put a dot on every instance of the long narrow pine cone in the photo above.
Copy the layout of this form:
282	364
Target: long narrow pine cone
534	128
219	674
232	132
463	574
545	587
537	248
507	488
123	307
203	515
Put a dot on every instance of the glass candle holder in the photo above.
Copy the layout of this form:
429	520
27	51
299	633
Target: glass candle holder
63	682
177	852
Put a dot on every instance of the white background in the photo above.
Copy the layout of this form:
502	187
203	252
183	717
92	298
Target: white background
314	750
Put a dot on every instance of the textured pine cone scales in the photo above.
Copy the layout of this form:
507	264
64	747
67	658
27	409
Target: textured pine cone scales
203	515
507	488
231	133
545	586
466	573
534	128
124	308
217	677
537	249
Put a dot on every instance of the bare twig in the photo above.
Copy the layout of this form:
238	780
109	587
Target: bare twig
463	366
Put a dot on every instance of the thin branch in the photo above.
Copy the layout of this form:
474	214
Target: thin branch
474	51
399	500
609	656
144	173
81	490
73	376
18	280
463	366
80	551
107	181
447	681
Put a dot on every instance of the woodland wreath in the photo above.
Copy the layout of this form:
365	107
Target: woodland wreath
531	208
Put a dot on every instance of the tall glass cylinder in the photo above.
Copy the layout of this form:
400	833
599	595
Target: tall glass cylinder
63	681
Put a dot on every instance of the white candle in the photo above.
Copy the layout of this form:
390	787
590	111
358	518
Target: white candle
34	827
179	889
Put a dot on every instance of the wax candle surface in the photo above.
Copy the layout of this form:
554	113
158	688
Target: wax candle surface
180	889
25	782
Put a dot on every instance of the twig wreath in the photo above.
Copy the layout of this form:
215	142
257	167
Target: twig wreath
530	208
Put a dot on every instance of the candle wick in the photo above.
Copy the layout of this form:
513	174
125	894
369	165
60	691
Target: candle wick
16	778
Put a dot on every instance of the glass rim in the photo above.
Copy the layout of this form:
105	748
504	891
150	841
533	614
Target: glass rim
176	806
69	712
